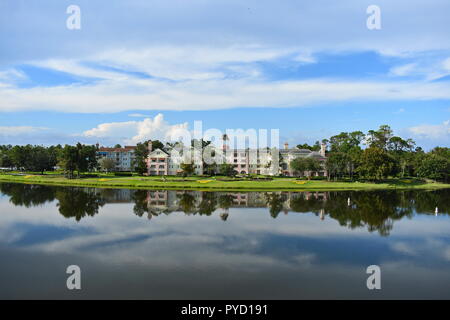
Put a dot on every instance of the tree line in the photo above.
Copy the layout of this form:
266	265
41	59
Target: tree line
384	155
79	158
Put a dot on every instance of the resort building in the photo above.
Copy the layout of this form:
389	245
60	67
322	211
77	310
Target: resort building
160	163
289	154
245	161
123	157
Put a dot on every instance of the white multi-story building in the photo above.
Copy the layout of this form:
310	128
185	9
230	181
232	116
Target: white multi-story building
123	157
289	154
244	161
161	163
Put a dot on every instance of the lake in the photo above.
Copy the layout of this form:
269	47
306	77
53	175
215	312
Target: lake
149	244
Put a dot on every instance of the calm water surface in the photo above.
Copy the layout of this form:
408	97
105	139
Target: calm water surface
137	244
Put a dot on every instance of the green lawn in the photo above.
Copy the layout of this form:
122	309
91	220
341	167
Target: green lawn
213	183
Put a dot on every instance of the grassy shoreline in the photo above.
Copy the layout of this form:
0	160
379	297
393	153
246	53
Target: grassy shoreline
213	183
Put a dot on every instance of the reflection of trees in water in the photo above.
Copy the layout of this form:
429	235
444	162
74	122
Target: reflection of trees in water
142	205
78	203
72	201
27	195
208	204
225	201
140	202
377	211
300	202
186	203
374	210
275	201
427	201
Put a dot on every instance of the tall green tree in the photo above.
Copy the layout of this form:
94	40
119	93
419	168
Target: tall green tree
380	138
19	156
434	167
5	159
68	160
315	147
376	163
441	152
227	169
188	169
344	142
87	158
338	164
107	164
308	165
39	159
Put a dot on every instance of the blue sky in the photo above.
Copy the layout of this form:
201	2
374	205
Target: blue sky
143	69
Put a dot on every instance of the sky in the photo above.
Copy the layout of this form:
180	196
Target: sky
139	69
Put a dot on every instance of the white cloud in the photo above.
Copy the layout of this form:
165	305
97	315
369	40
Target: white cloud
149	94
138	115
429	66
403	70
76	68
132	132
430	131
9	77
19	130
189	62
405	248
31	135
446	64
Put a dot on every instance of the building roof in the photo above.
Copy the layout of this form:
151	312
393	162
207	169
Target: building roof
124	149
156	152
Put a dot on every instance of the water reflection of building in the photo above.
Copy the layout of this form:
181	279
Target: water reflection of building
114	195
171	201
